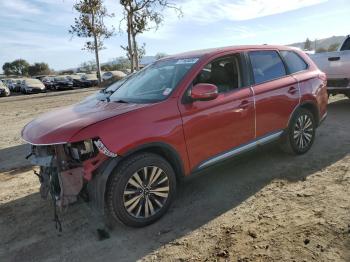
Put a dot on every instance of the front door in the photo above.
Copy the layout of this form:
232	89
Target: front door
214	127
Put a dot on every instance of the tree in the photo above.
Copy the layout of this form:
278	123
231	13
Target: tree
307	45
140	15
333	47
321	50
88	66
7	68
160	55
118	64
18	67
90	24
39	69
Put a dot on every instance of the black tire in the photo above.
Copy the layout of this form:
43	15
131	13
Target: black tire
300	134
121	190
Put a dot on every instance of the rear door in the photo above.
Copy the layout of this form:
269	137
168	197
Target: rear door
276	93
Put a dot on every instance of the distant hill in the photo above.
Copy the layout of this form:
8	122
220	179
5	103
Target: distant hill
322	43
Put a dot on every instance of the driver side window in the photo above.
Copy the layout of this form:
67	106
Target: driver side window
224	72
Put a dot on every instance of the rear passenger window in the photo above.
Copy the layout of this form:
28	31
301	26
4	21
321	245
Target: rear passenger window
294	62
267	66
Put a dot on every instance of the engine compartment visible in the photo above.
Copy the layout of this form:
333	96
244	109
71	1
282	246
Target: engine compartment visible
65	169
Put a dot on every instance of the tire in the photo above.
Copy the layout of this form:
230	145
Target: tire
300	134
127	198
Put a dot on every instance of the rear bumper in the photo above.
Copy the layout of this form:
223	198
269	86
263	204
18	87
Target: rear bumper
339	85
35	91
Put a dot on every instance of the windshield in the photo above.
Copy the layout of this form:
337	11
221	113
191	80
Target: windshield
76	77
33	81
153	83
91	77
61	78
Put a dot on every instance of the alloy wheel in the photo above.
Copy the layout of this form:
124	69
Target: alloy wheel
146	192
303	132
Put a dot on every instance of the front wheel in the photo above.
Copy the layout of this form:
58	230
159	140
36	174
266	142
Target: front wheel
300	134
141	190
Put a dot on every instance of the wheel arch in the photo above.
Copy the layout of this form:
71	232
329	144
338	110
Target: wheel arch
310	106
163	149
97	186
313	108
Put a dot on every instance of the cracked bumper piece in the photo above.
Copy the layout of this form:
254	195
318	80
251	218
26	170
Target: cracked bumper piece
65	168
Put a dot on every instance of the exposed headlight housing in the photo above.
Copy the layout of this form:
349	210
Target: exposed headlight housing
83	150
103	149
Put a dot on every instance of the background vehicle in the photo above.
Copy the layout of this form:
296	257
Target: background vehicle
32	85
62	83
111	77
337	67
118	75
4	90
90	80
78	81
48	82
128	145
16	85
10	83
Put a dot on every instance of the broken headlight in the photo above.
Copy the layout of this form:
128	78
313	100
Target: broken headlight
83	150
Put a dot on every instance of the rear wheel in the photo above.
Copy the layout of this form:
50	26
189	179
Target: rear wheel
141	190
300	134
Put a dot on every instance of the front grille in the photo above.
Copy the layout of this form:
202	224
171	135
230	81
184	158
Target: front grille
344	82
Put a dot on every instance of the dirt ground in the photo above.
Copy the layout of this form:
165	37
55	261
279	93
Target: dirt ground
265	206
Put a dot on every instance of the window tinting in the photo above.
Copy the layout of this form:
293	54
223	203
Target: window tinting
346	45
294	62
224	72
267	65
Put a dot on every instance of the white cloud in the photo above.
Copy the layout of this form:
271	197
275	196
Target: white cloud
18	7
207	11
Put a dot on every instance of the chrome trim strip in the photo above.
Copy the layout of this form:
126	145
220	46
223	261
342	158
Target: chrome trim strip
299	92
323	118
251	88
52	144
299	102
241	149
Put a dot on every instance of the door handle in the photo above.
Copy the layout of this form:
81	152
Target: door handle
292	90
244	104
336	58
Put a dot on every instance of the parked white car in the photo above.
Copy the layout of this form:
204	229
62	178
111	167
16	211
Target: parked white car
32	85
337	67
4	90
118	75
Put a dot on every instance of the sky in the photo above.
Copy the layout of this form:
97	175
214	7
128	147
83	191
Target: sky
37	30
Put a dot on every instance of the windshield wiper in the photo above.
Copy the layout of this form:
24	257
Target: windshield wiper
121	101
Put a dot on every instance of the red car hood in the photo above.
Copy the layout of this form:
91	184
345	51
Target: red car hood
59	126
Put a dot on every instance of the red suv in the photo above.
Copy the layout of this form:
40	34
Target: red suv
127	145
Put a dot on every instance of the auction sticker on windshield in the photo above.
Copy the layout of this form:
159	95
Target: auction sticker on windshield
166	91
187	61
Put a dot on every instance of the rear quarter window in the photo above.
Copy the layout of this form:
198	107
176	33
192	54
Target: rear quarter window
346	45
293	61
266	66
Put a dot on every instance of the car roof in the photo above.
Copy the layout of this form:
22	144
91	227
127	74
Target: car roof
215	51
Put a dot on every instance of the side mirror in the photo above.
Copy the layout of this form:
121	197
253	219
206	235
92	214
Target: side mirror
204	92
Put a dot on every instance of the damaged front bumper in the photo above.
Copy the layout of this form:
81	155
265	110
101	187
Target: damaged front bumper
65	169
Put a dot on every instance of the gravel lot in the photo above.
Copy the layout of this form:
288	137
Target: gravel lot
266	206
